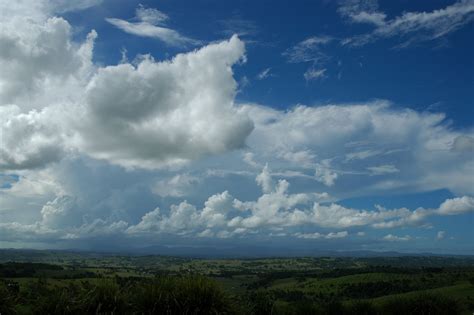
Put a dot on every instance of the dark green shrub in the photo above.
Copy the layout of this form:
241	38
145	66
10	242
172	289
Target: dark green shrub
423	304
7	301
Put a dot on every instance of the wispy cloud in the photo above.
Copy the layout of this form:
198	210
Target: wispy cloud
410	27
308	50
314	74
383	169
395	238
152	23
264	74
362	11
239	26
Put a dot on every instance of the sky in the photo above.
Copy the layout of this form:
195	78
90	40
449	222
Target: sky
314	125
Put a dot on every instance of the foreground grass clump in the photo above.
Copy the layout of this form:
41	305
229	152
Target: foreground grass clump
186	295
161	295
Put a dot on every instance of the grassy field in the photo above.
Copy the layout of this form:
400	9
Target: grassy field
35	282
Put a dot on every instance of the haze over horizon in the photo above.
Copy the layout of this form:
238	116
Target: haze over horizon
331	125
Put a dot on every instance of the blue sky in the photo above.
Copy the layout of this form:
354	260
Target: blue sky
342	125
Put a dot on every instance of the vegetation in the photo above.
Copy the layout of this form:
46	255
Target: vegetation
164	285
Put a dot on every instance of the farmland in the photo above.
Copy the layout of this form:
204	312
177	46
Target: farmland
59	282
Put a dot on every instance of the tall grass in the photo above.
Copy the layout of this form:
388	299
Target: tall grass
162	295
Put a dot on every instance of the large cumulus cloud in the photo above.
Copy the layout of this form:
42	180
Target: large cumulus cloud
365	148
170	112
147	114
224	216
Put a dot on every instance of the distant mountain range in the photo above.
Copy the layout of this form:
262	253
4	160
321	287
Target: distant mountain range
239	252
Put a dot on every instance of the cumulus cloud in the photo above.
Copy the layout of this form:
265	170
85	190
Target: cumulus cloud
151	23
159	113
457	206
400	141
28	139
276	208
69	128
224	216
37	54
151	114
264	180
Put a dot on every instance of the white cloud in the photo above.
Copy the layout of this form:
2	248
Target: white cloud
249	159
150	15
264	74
224	216
57	106
362	11
28	140
457	206
62	6
264	180
463	144
165	113
362	155
302	157
316	235
314	74
410	26
38	54
324	174
151	24
441	235
419	144
383	169
395	238
60	213
177	186
150	115
206	233
308	50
